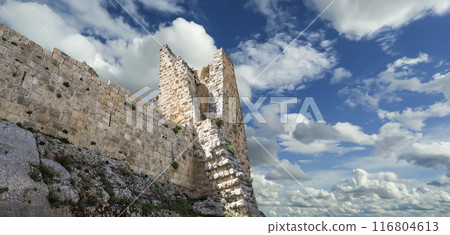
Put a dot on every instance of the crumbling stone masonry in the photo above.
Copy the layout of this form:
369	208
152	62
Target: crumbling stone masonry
192	134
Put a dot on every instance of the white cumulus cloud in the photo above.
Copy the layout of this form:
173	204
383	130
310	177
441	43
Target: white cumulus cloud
339	74
365	19
414	118
300	63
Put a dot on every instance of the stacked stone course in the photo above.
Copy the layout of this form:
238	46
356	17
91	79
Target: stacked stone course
57	95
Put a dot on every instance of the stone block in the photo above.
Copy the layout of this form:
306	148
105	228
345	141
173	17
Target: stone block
58	125
55	113
41	118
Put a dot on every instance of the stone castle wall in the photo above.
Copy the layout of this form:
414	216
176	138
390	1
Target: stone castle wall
177	82
57	95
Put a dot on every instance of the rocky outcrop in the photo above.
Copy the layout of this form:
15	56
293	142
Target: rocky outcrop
20	195
42	176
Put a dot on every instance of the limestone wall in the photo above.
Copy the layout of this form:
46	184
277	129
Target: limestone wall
225	171
57	95
176	87
172	139
220	79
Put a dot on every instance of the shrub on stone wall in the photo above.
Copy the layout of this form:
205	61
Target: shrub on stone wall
175	165
219	122
176	129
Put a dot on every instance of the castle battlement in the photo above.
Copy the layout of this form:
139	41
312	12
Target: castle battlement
195	126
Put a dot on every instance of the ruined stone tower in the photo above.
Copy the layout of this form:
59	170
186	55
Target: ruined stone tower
197	123
209	101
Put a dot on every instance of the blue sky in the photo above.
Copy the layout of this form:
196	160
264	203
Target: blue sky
378	72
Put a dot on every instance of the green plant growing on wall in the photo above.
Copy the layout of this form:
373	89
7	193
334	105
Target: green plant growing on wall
175	165
227	192
219	122
243	177
66	84
231	148
177	128
58	96
130	105
228	213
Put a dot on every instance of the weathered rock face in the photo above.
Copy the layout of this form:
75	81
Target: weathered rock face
211	206
19	194
40	176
